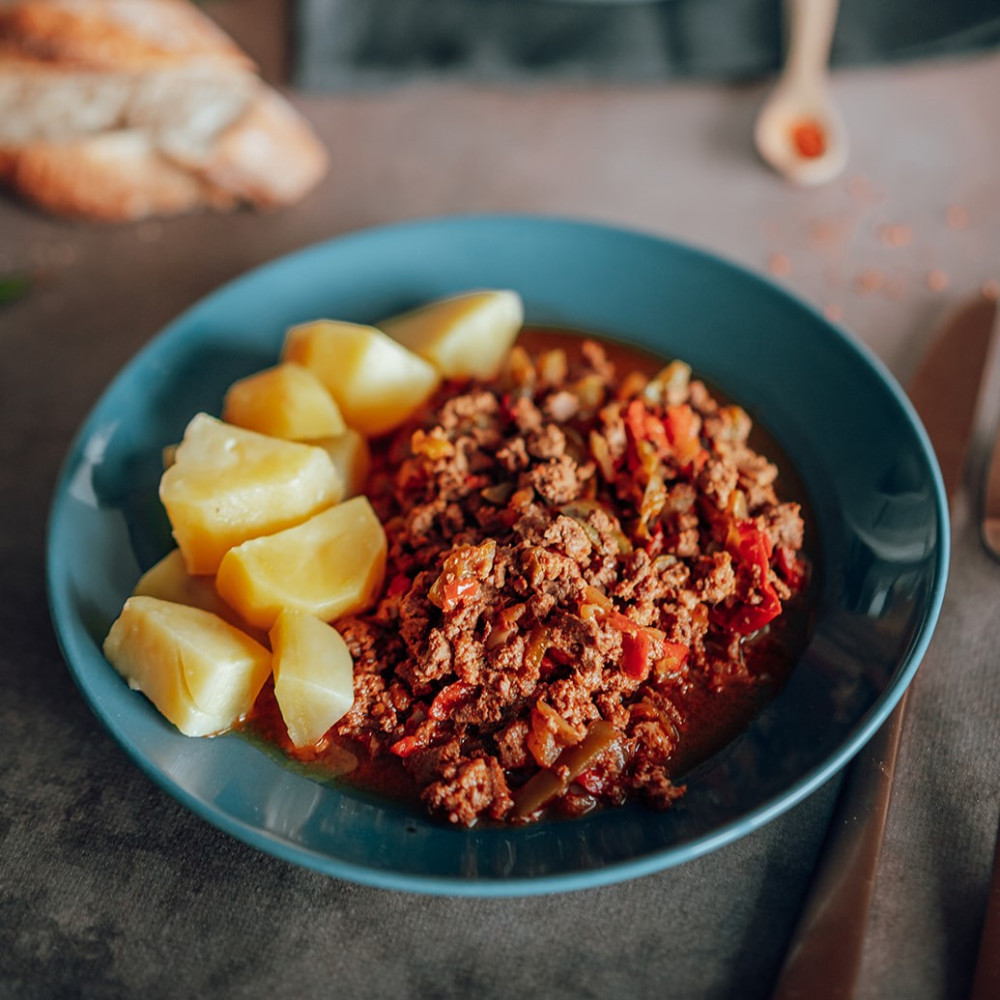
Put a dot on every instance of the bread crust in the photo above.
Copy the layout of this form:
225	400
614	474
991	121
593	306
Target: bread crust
268	157
116	110
110	178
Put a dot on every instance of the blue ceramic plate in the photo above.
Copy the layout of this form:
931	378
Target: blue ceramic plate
866	463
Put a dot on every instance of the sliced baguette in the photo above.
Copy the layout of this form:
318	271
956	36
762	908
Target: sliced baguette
114	176
122	109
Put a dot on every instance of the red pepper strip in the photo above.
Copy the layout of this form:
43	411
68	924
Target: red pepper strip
750	545
643	648
753	548
791	568
637	641
747	618
454	591
673	656
448	699
590	781
636	649
682	433
409	745
643	426
441	708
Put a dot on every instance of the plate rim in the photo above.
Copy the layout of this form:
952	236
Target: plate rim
669	856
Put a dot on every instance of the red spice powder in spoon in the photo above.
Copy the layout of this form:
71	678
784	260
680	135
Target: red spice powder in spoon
809	139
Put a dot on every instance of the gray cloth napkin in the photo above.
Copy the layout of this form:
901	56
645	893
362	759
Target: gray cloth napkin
352	44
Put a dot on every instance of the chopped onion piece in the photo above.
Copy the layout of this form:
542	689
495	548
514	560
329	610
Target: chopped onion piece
573	761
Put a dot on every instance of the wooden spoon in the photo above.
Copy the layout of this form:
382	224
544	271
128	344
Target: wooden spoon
799	130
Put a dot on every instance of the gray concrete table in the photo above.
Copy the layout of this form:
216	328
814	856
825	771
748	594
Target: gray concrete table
109	888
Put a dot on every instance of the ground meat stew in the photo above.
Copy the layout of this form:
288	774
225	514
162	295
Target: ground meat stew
587	573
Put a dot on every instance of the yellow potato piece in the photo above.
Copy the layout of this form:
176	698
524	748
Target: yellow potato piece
330	566
351	457
228	484
464	336
376	382
288	401
169	580
199	671
313	675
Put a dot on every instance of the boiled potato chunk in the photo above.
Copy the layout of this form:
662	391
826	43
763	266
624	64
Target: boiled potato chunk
465	336
351	457
169	580
329	566
228	484
376	382
200	672
287	401
313	675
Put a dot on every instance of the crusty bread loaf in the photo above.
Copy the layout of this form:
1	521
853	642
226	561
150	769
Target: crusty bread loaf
116	175
121	109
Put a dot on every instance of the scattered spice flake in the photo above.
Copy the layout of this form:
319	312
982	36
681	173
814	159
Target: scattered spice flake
894	235
779	265
991	288
861	189
957	217
869	281
936	281
833	313
827	231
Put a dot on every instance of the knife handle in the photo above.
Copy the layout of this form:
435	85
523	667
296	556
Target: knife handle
990	526
986	981
824	958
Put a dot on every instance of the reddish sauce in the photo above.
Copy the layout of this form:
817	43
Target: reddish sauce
341	761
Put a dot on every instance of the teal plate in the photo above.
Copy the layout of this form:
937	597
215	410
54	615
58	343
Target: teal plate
880	513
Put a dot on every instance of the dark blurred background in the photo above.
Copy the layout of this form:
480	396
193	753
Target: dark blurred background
352	44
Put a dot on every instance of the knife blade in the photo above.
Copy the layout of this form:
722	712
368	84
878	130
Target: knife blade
990	527
986	977
945	388
824	958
